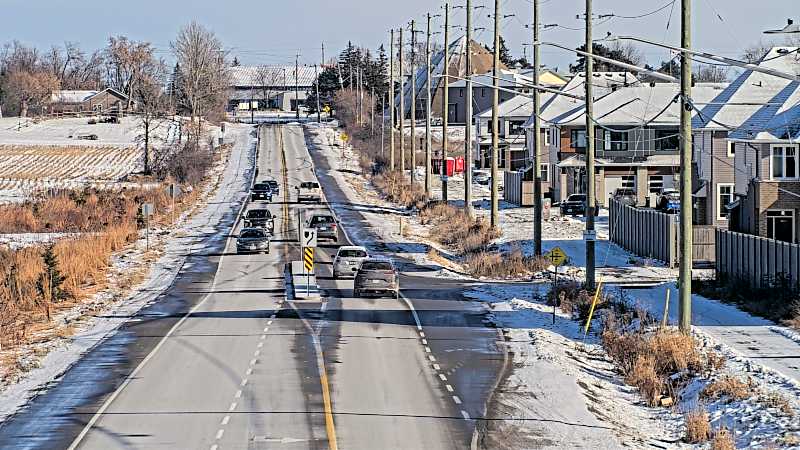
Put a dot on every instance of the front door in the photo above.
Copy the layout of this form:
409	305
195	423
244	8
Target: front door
780	225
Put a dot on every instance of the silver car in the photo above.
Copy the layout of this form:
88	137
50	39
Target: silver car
376	276
252	240
348	260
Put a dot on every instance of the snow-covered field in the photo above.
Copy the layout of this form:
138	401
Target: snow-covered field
22	131
112	306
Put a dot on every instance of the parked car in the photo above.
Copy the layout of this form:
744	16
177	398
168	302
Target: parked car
309	191
261	191
260	218
87	137
325	224
376	276
481	177
669	200
252	240
348	260
625	196
575	205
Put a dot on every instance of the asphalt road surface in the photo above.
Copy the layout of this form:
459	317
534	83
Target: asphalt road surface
225	360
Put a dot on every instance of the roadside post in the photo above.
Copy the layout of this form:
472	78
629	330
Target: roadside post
173	190
557	257
309	244
147	211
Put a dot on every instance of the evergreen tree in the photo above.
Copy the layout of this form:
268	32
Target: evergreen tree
49	283
235	62
601	66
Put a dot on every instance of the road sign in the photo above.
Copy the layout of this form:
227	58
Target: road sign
590	235
344	137
308	259
309	237
556	256
148	209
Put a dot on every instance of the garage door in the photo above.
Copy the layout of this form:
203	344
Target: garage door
615	182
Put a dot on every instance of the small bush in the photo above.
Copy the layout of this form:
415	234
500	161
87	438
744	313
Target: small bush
728	387
503	265
643	375
723	440
698	429
572	299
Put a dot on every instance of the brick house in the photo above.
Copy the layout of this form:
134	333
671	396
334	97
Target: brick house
76	102
766	188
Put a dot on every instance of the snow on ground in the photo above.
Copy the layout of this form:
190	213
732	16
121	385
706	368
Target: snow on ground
227	189
14	241
25	131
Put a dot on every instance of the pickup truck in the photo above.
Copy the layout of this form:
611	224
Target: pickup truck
309	191
260	218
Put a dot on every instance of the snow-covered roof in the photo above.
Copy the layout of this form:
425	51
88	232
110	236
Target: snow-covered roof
636	105
754	99
650	161
508	79
517	106
247	76
71	96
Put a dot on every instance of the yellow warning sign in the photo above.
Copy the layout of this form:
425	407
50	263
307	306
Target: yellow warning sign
308	258
344	137
556	256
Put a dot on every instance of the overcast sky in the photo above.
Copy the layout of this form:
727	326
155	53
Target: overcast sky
272	31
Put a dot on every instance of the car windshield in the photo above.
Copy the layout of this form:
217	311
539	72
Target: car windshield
261	187
321	219
252	234
376	265
352	253
577	198
309	185
258	214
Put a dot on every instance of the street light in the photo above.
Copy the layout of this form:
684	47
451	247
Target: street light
790	28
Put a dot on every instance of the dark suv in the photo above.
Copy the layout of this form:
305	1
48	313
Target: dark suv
261	191
376	276
260	218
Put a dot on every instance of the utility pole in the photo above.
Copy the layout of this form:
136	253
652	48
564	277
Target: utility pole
685	275
590	186
402	110
445	100
537	141
428	181
391	105
372	111
413	102
383	125
495	201
323	57
316	77
297	86
468	118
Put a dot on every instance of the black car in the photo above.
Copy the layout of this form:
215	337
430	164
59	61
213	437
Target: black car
273	185
260	218
261	191
575	205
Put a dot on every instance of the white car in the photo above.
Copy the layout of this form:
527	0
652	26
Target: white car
481	177
348	260
309	191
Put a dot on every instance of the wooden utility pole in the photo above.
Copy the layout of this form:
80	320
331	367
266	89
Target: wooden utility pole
468	117
413	102
394	98
495	200
372	111
445	99
428	181
297	86
685	275
536	148
590	186
402	110
316	78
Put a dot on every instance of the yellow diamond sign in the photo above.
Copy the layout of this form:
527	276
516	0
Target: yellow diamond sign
556	256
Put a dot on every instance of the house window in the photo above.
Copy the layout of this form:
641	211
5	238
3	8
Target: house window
724	198
616	140
731	149
515	127
784	162
667	140
545	171
780	225
655	184
629	182
578	138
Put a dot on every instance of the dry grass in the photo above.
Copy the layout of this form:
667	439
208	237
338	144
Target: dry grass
723	440
730	388
503	265
454	227
777	401
698	428
397	189
794	320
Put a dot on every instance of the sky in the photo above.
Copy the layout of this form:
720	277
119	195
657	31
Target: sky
274	31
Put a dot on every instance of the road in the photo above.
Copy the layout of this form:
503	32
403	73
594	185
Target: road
225	360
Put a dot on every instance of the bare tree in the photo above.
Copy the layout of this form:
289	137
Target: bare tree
711	74
153	106
204	72
29	89
629	52
73	68
267	78
754	53
126	64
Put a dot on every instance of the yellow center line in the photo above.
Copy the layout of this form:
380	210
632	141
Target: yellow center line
330	427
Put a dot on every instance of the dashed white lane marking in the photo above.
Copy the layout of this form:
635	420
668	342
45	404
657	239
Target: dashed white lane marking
238	394
424	342
436	367
272	316
427	349
422	334
220	432
243	383
257	353
432	358
465	414
252	362
249	371
225	420
442	377
263	336
260	345
457	400
232	407
266	329
214	447
449	388
268	323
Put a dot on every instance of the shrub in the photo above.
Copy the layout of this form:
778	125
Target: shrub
723	440
698	429
729	387
503	265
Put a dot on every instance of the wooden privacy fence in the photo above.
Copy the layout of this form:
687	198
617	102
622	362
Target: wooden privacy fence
516	190
645	232
758	260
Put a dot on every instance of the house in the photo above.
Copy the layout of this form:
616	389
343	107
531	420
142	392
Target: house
547	77
766	188
637	141
269	87
77	102
482	93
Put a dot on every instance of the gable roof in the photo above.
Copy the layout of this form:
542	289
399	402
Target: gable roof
517	106
251	76
71	96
